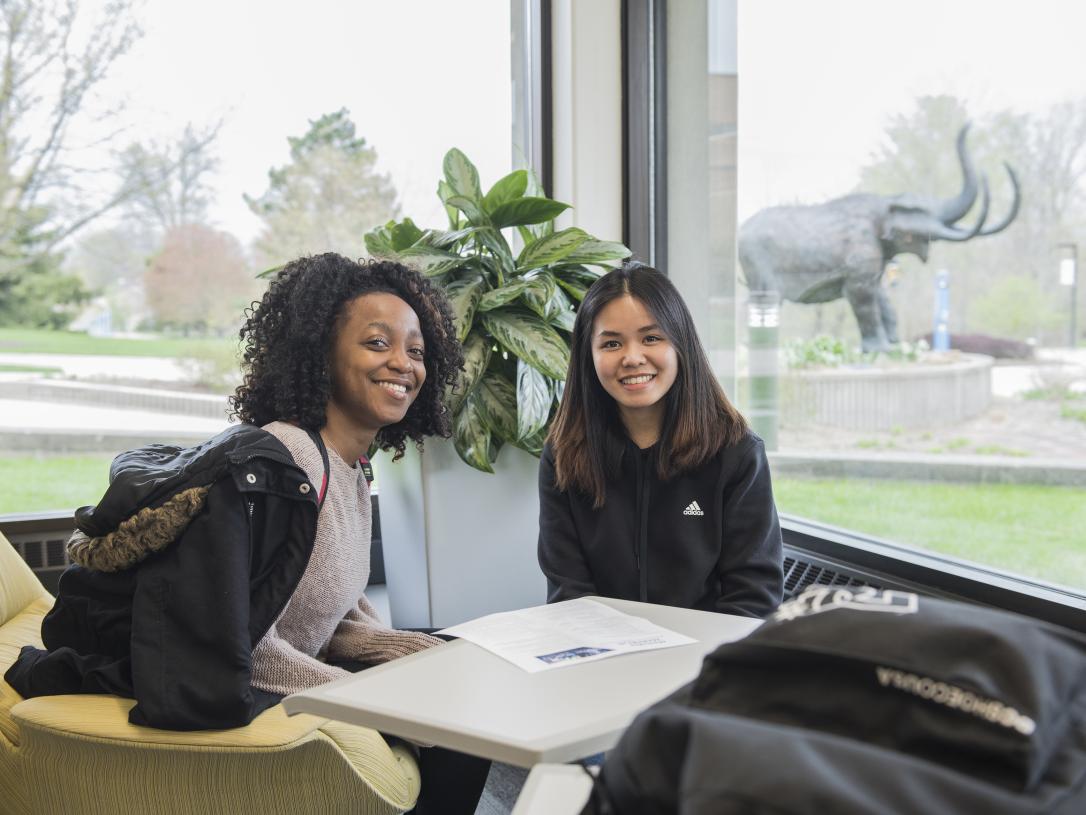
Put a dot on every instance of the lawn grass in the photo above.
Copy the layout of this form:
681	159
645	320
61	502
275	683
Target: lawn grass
1025	528
1030	529
41	341
29	369
42	483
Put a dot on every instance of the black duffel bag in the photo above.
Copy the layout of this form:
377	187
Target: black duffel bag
866	701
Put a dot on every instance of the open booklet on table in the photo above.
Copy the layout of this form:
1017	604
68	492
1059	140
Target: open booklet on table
571	632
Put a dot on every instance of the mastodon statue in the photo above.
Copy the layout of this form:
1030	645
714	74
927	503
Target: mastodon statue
822	252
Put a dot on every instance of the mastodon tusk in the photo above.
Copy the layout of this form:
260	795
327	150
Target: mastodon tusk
950	233
955	208
1014	206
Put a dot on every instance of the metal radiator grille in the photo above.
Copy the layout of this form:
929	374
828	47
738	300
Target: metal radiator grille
44	553
800	573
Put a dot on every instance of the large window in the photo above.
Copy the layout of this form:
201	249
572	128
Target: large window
910	354
213	141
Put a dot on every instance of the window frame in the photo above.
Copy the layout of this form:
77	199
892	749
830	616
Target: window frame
644	130
532	72
645	230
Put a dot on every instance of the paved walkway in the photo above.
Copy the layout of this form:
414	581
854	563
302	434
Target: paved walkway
38	426
153	369
19	415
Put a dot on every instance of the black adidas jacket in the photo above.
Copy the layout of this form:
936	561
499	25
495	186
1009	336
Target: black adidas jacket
707	539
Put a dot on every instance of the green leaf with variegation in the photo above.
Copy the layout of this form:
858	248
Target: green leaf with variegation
527	337
559	310
379	242
493	240
471	209
404	234
577	271
598	252
524	211
538	293
464	297
471	438
272	272
462	176
564	320
574	290
534	399
445	192
496	298
432	262
559	389
476	359
533	444
576	280
443	239
496	400
506	189
551	249
526	234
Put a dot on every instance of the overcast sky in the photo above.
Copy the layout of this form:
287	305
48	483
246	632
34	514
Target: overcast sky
819	81
419	76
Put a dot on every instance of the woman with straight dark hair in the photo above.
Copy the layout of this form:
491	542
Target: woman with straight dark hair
652	486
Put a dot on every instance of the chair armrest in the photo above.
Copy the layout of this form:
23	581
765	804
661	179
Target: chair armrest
106	717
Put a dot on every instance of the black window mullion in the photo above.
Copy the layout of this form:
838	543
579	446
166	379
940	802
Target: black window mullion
644	129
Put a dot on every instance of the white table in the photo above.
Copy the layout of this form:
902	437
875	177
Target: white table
554	789
465	698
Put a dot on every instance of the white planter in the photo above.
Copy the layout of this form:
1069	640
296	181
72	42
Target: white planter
458	543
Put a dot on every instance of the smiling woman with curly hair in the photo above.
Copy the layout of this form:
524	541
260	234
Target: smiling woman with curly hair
348	356
288	345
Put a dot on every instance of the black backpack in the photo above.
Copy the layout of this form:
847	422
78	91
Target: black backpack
866	701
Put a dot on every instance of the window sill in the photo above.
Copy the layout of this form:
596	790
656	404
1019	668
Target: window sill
938	574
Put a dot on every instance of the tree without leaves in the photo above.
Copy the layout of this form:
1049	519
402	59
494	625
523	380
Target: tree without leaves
111	262
326	198
52	61
112	258
52	58
166	185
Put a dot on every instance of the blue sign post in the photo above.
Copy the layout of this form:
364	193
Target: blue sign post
940	335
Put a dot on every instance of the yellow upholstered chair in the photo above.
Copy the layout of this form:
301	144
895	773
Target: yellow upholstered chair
79	755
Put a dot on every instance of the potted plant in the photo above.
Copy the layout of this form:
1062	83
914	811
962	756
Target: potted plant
461	543
513	311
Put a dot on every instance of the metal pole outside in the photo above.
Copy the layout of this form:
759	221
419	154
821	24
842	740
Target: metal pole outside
1069	278
1074	296
763	327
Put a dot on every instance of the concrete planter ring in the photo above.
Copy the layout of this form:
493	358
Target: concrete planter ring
940	390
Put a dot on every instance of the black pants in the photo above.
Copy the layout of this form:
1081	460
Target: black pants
452	782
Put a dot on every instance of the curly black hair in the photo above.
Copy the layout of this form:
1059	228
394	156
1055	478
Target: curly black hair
289	334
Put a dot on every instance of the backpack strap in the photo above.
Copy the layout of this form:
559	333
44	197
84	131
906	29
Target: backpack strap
367	468
317	440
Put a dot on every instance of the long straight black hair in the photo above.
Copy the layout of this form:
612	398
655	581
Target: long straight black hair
587	436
